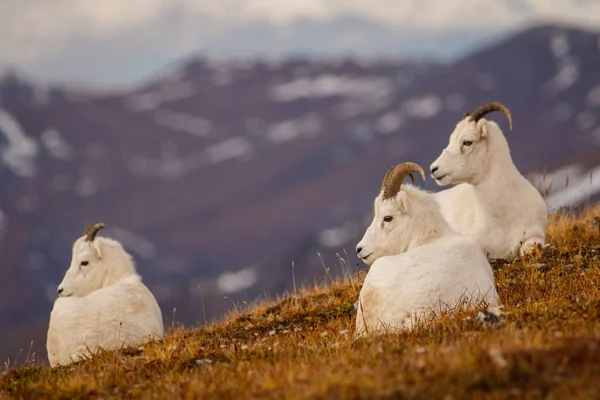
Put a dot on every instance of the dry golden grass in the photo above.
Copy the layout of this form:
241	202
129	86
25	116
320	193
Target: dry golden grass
547	346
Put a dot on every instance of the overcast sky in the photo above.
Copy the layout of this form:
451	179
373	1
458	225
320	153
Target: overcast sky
120	41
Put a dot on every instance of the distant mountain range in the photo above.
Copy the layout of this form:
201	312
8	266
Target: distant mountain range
218	175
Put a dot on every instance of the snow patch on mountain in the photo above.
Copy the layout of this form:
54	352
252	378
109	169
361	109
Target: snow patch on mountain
55	144
306	126
233	282
20	151
153	99
571	185
328	85
593	97
192	124
86	187
134	242
390	122
567	67
236	147
338	236
422	107
174	166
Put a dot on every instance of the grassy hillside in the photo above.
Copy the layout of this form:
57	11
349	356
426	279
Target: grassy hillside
300	347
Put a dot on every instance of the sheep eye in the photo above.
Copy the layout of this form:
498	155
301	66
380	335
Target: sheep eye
84	263
467	143
388	219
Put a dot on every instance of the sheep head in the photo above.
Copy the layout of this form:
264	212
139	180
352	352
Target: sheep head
397	210
466	158
96	262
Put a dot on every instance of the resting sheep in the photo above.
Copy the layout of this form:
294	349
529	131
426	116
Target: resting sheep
418	264
491	202
102	302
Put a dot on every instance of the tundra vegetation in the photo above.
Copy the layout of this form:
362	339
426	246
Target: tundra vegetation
547	343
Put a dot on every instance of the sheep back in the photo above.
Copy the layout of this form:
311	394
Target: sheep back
123	314
432	277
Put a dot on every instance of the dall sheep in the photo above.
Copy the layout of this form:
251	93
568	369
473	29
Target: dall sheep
102	302
418	265
491	202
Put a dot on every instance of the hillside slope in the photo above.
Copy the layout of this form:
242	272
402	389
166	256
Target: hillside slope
546	345
216	175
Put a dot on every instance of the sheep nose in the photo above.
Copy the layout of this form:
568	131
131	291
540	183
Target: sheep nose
60	290
434	169
358	250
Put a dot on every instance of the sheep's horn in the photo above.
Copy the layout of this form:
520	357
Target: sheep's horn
388	175
91	231
87	229
481	111
397	175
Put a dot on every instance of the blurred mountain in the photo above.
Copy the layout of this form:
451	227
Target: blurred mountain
217	175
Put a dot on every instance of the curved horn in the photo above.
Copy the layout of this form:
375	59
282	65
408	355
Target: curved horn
386	178
481	111
397	176
91	232
87	229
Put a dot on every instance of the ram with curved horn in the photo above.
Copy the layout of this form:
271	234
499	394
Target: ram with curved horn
490	200
418	264
102	303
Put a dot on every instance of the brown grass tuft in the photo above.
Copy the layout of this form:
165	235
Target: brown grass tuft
301	347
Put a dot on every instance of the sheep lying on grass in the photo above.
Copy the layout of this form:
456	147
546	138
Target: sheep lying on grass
491	202
102	302
418	264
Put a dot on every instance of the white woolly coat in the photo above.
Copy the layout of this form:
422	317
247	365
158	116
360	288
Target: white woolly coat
123	314
400	288
503	214
495	205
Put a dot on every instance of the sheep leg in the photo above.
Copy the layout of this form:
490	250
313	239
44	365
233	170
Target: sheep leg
530	245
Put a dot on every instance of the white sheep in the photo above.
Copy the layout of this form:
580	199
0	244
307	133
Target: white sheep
418	265
491	202
102	302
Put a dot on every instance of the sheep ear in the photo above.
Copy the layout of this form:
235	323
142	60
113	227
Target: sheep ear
96	249
483	128
402	200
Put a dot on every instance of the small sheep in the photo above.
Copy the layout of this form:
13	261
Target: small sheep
418	265
102	302
491	202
